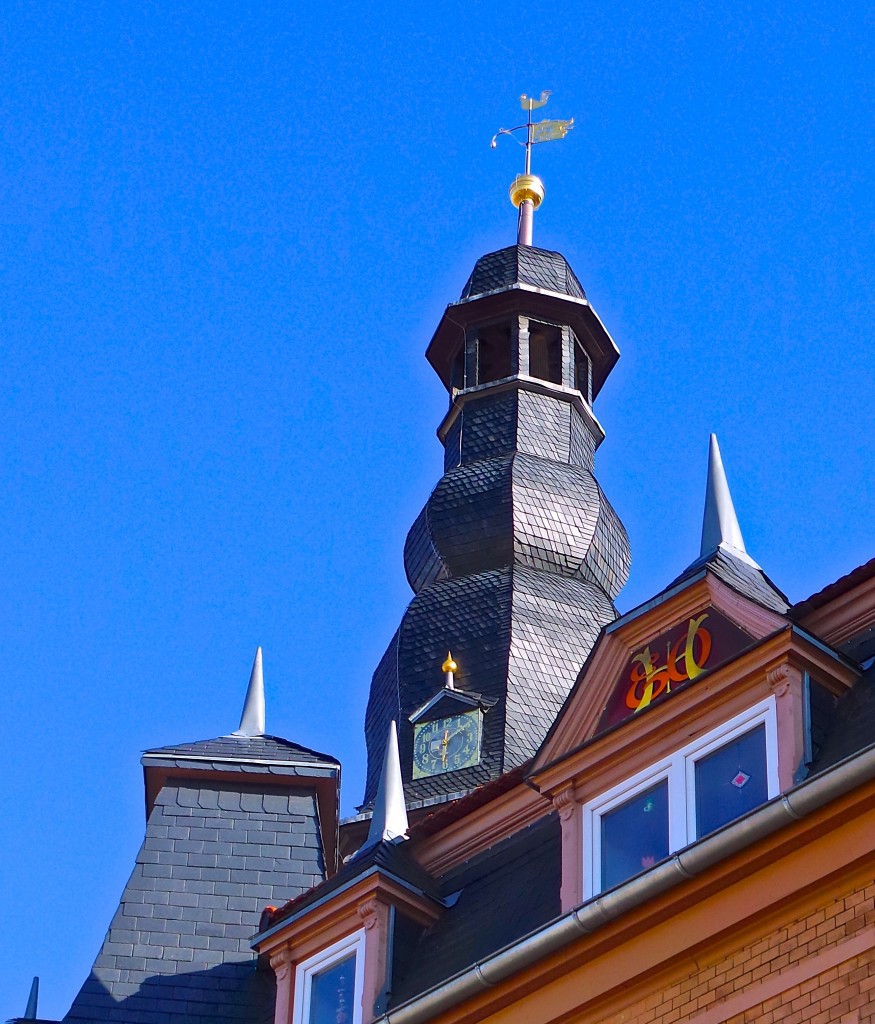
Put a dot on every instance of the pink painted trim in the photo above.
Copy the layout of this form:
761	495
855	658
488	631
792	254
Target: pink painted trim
581	715
282	963
482	828
571	821
375	917
846	615
786	684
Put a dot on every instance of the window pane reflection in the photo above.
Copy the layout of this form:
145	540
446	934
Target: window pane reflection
635	835
731	781
331	993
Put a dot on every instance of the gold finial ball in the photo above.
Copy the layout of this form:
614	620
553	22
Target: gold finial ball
449	665
527	186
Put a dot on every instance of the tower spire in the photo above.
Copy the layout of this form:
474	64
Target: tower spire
252	719
389	820
720	527
31	1012
527	190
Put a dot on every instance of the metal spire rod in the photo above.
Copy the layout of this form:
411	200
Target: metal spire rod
527	190
530	136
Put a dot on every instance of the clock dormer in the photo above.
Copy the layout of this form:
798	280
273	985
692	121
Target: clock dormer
448	729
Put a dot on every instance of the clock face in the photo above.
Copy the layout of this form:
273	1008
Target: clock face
446	744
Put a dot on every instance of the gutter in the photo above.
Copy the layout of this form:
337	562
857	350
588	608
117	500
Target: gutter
796	803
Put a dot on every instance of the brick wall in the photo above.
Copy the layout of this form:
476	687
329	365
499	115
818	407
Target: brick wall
816	968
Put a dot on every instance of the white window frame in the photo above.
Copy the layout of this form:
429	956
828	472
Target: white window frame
306	970
679	769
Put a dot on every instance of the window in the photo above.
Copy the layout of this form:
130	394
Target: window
328	986
582	371
493	353
457	372
695	791
545	352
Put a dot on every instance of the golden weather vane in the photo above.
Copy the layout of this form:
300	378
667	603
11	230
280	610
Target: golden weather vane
527	190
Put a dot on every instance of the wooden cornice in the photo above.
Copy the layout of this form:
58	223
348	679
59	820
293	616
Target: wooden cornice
345	911
847	615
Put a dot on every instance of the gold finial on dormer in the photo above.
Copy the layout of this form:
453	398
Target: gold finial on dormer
450	668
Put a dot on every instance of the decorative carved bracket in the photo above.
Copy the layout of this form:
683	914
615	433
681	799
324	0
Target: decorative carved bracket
565	803
779	679
367	911
281	961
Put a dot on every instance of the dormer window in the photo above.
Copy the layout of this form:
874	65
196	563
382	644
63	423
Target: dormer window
328	986
698	789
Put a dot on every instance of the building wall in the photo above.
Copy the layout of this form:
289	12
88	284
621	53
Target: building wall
782	930
816	967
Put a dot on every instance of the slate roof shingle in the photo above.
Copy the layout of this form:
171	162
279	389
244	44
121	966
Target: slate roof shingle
390	857
178	947
523	264
504	893
247	748
743	577
853	724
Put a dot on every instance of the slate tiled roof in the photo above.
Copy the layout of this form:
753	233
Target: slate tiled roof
390	857
519	636
515	560
853	726
744	578
504	893
265	748
522	264
178	946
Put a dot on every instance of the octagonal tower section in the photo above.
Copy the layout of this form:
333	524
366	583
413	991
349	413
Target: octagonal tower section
517	556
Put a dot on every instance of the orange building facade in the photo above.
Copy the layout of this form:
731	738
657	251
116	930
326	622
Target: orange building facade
759	911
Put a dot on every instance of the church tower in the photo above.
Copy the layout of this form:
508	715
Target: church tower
517	556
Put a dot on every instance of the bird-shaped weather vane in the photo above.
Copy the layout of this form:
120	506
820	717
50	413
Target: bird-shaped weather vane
527	190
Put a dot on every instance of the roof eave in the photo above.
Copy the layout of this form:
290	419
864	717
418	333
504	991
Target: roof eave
802	800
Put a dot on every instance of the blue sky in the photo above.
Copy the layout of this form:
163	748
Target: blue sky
228	232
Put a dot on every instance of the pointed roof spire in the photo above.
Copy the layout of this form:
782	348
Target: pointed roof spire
30	1013
389	820
252	719
722	551
720	527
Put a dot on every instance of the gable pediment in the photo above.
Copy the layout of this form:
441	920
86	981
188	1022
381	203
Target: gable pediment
652	655
666	664
449	701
